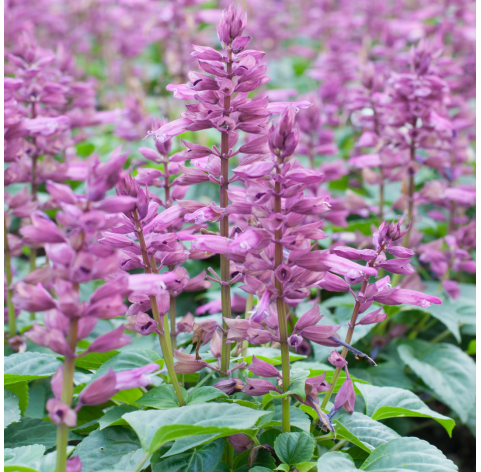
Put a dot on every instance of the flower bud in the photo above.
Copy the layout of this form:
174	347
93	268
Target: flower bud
263	368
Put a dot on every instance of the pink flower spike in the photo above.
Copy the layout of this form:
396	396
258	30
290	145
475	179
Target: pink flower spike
373	317
100	390
258	387
346	397
309	318
169	130
397	296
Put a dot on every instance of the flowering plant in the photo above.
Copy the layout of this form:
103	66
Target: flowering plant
274	278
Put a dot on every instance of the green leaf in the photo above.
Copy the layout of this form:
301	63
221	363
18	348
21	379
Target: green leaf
446	313
48	461
386	374
263	458
94	360
471	348
259	468
11	411
155	428
25	455
113	417
204	394
27	366
305	466
130	396
127	360
299	419
161	398
105	449
183	444
408	454
203	459
292	448
336	462
448	371
21	390
295	388
31	431
363	431
37	396
391	402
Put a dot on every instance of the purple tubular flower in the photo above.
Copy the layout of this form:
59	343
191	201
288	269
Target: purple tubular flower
169	130
60	413
346	397
42	230
398	266
240	442
74	464
336	359
32	298
309	318
262	368
187	363
229	386
258	387
136	378
144	324
397	296
53	339
100	390
106	342
373	317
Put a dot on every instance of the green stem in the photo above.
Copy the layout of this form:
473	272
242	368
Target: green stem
441	336
224	231
173	318
418	328
142	462
338	445
67	392
281	312
228	455
163	333
8	273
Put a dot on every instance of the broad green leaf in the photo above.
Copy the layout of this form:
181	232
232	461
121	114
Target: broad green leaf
94	360
113	417
155	428
11	411
161	398
263	458
204	394
295	388
448	371
408	454
127	360
446	313
259	468
305	466
386	374
31	431
37	396
390	402
105	449
336	462
358	455
27	366
48	461
363	431
471	348
21	390
203	459
25	455
299	419
18	468
182	445
292	448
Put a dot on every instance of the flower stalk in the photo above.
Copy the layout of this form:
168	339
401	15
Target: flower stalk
164	334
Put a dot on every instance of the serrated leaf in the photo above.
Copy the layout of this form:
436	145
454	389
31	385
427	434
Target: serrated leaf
105	449
127	360
183	444
363	431
27	366
295	388
446	313
31	431
161	398
336	462
408	454
448	371
391	402
298	418
113	417
11	410
204	459
292	448
204	394
24	455
386	374
94	360
21	390
155	428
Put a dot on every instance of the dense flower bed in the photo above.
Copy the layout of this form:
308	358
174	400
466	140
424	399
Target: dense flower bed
248	251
